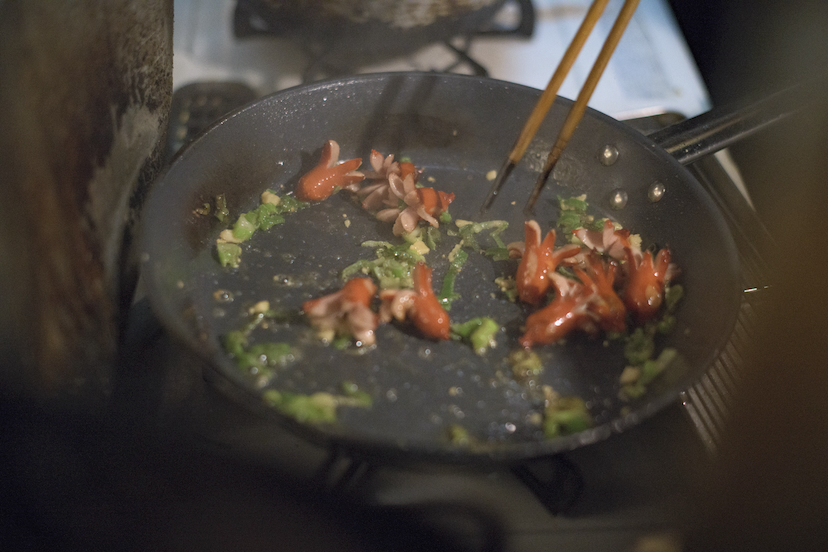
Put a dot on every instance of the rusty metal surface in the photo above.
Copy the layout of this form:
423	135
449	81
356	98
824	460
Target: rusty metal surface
85	90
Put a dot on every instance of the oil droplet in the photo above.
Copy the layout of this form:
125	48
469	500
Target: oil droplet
223	296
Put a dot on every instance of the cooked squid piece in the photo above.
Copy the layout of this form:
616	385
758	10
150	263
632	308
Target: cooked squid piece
346	312
419	305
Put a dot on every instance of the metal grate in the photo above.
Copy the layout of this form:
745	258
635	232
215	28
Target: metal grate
709	402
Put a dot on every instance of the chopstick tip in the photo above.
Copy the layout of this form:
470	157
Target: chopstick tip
502	175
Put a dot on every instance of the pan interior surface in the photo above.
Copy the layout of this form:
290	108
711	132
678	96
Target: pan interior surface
457	129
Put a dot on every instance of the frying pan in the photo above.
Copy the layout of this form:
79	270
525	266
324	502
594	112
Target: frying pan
457	129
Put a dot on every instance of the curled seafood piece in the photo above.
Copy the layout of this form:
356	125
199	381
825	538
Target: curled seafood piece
609	240
345	312
647	277
538	260
376	195
420	204
321	181
419	305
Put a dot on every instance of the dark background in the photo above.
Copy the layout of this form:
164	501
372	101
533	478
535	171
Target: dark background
744	47
771	488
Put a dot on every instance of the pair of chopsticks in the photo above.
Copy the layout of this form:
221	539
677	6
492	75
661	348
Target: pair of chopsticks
548	96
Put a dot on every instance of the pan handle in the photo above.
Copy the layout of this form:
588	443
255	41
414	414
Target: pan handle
720	127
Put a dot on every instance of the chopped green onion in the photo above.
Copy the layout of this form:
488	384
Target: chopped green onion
480	332
221	213
245	226
447	293
318	407
229	254
525	364
639	347
565	416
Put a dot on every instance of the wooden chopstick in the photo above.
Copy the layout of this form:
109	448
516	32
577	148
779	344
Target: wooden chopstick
578	109
547	98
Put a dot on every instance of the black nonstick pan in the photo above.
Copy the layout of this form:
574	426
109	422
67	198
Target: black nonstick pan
457	129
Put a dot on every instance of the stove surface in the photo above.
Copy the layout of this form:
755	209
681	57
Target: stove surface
652	70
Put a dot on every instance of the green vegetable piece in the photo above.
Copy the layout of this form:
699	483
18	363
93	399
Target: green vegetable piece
633	390
318	407
652	368
468	237
289	204
497	253
355	396
222	212
573	215
508	286
272	354
577	204
672	295
267	215
445	217
447	293
315	408
235	342
261	358
341	342
649	370
483	337
468	233
525	363
594	224
246	225
639	347
666	324
432	237
229	254
569	221
565	416
254	322
392	267
480	332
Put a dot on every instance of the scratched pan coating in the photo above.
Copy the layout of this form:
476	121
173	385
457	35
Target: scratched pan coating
457	129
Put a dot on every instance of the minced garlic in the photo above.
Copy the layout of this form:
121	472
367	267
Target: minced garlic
419	247
270	197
